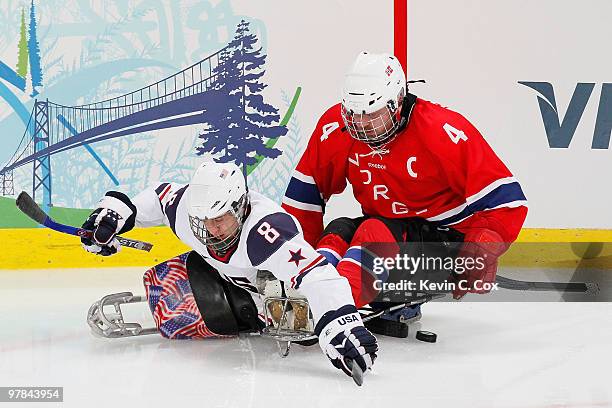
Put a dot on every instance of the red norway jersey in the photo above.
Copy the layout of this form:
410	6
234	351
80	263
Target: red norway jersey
439	167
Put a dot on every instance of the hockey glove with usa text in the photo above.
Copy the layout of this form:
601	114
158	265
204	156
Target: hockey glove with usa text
345	341
115	215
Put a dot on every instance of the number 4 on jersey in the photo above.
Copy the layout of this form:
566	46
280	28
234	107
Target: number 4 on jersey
455	134
328	129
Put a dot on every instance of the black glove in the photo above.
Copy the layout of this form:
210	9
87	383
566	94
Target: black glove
115	215
345	341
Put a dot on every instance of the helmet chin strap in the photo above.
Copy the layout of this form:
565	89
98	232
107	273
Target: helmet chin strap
407	106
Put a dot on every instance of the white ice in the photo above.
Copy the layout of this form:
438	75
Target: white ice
487	355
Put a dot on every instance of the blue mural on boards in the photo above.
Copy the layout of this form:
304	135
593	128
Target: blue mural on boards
235	123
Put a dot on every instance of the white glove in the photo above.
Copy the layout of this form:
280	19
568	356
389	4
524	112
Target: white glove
115	214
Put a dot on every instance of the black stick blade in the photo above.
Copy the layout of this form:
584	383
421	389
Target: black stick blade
27	205
561	287
356	372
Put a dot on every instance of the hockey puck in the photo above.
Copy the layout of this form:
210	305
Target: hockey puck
426	336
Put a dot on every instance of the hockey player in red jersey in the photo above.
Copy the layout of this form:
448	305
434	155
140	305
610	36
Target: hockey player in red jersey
420	172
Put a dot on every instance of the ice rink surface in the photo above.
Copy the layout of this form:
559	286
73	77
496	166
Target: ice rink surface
518	355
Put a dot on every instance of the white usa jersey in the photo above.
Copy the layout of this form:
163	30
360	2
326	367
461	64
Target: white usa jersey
270	239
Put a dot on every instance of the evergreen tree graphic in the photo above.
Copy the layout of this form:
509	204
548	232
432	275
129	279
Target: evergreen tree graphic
22	57
34	51
240	122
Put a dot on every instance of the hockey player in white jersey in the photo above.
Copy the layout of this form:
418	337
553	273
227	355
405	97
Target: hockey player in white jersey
233	233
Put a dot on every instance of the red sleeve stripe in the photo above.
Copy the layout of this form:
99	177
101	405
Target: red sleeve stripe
297	279
317	259
163	194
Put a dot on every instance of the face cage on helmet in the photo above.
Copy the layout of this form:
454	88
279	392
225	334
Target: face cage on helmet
220	246
357	126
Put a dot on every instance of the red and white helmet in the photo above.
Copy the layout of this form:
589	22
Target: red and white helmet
217	189
372	95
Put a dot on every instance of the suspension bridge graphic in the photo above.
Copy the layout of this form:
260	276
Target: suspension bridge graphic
177	100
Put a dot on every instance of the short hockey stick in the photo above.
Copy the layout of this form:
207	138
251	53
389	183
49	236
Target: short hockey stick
563	287
29	207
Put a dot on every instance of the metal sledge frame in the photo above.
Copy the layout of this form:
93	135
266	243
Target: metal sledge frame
283	336
113	325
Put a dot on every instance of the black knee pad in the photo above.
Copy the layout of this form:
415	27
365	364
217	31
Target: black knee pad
344	227
225	308
426	235
425	241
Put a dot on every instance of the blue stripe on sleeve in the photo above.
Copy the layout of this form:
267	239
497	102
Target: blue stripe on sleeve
506	193
298	279
303	192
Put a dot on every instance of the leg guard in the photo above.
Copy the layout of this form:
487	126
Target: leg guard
189	299
227	309
172	301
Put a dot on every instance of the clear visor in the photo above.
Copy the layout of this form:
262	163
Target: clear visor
372	128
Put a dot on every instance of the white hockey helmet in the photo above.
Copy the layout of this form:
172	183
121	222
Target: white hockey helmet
217	189
372	96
